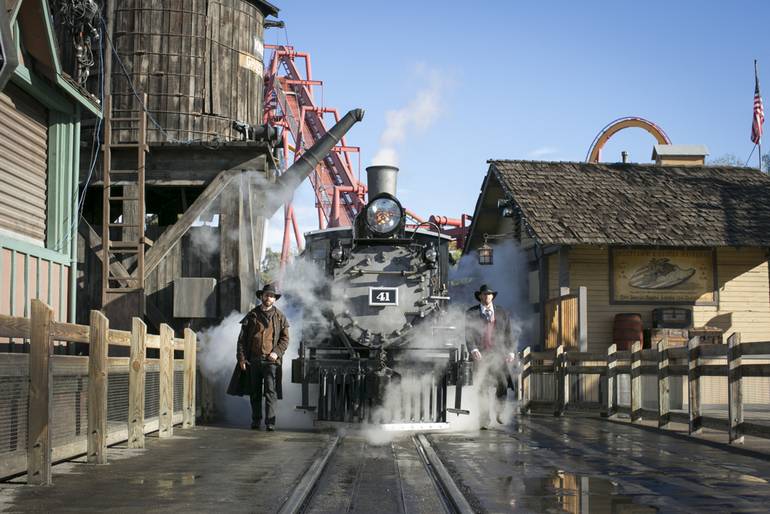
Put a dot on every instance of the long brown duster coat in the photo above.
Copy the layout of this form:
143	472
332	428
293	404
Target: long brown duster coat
240	382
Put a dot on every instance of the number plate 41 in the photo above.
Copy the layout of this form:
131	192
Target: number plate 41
381	296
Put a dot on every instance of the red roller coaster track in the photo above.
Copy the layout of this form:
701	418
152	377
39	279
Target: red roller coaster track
289	103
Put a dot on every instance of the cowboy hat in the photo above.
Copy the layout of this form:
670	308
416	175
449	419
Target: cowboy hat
269	288
484	289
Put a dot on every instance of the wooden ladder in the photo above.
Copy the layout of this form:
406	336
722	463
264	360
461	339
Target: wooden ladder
130	240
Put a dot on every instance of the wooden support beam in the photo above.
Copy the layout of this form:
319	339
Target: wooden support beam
693	385
136	378
166	408
188	398
97	389
664	387
735	389
94	242
636	382
174	233
40	396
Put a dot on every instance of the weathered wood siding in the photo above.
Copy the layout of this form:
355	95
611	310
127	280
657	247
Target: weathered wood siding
200	62
744	294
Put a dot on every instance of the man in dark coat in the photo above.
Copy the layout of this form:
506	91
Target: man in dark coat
262	342
488	339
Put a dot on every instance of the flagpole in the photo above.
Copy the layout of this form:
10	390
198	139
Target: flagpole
759	143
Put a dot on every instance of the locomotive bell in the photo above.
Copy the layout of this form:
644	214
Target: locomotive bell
381	179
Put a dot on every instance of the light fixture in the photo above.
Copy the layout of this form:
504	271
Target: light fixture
485	253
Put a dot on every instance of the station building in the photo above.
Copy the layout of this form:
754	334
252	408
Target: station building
644	240
40	118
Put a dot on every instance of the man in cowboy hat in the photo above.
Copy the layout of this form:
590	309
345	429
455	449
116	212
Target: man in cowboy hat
488	338
263	340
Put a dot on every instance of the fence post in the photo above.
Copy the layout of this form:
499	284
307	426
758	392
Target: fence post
40	396
524	377
735	388
188	398
636	382
558	374
693	384
136	377
611	402
664	385
166	408
97	389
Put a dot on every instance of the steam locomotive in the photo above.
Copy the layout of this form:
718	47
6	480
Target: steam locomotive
382	351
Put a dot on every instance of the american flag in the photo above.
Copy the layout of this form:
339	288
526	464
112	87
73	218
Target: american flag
759	112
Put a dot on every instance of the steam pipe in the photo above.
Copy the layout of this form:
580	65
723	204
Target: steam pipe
294	176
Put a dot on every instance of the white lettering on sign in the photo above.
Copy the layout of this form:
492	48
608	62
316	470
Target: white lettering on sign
383	296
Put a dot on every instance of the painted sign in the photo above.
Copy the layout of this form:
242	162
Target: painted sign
662	276
383	296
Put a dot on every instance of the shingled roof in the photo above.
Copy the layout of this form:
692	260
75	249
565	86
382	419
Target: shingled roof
637	204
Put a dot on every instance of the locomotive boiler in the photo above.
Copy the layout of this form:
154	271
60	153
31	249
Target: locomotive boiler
382	350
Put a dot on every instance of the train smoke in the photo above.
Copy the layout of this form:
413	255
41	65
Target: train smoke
415	117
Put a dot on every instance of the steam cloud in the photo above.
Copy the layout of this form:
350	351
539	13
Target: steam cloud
304	306
417	116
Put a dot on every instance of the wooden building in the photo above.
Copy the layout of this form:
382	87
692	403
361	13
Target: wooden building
635	238
40	117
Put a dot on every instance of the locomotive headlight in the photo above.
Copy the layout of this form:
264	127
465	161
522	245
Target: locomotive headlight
431	255
383	215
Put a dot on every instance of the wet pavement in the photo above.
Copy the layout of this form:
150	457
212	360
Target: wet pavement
535	464
584	465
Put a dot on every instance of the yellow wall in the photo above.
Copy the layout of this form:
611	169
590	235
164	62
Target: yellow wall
744	294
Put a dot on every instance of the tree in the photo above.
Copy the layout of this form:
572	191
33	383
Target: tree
730	159
270	266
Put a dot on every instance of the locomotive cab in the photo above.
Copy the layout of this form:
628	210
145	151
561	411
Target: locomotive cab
383	352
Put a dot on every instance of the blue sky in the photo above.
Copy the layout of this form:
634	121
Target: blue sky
527	80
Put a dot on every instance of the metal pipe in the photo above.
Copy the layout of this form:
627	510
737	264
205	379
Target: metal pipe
294	176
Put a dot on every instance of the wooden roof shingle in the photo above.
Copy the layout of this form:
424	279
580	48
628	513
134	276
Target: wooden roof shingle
639	204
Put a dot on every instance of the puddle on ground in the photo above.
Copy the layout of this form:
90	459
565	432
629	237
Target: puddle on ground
578	494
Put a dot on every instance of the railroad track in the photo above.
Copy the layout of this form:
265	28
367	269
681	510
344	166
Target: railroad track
352	475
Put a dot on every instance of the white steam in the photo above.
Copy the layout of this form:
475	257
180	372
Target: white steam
415	117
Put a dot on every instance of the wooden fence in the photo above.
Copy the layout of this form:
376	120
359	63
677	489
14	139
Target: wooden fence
562	379
54	407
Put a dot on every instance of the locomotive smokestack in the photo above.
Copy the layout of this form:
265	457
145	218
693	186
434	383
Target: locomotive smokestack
299	171
381	179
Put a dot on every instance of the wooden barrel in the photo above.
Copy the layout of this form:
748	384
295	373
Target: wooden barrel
626	330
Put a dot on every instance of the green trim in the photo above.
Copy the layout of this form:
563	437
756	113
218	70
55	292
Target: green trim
26	285
50	277
74	179
34	250
41	90
62	294
37	277
13	282
47	19
82	100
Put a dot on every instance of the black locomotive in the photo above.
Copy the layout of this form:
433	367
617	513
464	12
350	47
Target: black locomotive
383	350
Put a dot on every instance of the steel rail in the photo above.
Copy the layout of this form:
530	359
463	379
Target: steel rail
450	494
295	503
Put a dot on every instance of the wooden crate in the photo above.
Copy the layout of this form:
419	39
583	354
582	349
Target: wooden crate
674	336
708	335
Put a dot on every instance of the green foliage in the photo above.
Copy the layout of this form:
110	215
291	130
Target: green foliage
270	267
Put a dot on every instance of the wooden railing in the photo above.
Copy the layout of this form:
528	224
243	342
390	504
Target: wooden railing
55	407
562	379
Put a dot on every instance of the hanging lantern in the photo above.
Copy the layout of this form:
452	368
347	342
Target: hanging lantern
485	254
